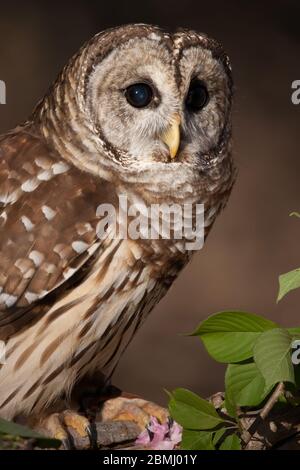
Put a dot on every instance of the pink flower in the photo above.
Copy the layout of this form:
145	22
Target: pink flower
158	436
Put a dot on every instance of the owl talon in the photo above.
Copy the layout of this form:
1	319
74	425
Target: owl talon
92	435
66	444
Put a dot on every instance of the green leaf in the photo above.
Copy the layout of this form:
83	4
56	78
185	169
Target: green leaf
196	440
295	332
231	442
287	282
230	336
245	385
13	429
230	406
192	412
272	355
218	435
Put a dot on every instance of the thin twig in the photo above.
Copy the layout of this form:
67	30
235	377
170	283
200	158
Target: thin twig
248	433
272	400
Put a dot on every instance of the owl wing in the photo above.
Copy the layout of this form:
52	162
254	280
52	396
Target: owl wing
47	228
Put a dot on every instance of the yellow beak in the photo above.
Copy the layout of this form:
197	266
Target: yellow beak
172	136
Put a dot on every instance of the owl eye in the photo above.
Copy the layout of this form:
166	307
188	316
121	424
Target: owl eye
139	95
197	97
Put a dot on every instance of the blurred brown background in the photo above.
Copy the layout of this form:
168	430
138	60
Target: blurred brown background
254	240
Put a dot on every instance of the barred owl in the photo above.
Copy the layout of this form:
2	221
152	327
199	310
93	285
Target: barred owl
136	111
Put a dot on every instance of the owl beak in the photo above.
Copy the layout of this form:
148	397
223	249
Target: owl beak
171	136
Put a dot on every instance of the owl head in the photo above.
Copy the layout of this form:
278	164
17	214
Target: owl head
146	105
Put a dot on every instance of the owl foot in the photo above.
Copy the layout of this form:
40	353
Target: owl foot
120	420
73	429
132	409
77	432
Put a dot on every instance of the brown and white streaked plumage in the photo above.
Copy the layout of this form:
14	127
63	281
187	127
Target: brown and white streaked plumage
69	302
